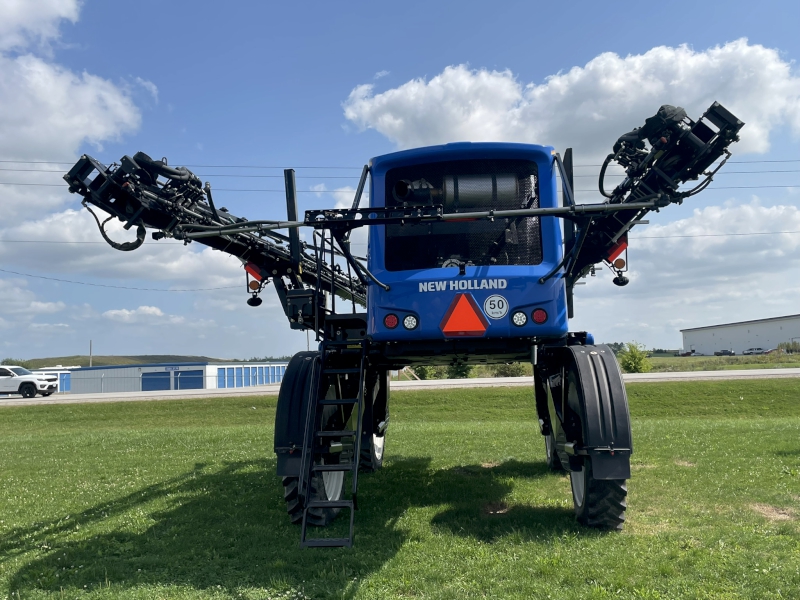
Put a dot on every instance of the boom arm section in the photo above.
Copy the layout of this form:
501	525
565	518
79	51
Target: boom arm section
680	150
146	193
143	192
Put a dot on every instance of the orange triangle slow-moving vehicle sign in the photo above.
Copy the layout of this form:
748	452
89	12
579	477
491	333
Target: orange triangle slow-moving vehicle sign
464	318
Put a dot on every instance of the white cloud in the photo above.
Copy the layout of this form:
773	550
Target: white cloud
712	277
143	313
84	252
23	22
49	111
381	74
149	87
587	107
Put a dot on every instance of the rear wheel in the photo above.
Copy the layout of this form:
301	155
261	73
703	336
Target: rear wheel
28	390
551	456
598	503
372	452
373	441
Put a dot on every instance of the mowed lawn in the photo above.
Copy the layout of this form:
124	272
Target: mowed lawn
178	500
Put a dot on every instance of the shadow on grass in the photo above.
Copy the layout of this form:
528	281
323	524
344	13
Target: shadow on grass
227	529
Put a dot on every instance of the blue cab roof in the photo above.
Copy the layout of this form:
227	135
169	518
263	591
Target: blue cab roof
462	150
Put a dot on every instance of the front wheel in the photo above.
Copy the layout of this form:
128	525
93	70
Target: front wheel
598	503
323	486
28	390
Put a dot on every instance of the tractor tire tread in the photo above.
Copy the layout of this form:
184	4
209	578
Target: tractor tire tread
317	517
605	504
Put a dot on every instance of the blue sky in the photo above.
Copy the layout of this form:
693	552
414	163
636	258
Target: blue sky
283	85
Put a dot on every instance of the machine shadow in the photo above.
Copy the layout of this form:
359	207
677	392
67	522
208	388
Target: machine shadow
228	529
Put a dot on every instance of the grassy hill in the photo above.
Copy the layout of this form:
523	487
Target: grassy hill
102	361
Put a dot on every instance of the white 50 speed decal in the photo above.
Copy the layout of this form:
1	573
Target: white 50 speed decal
495	307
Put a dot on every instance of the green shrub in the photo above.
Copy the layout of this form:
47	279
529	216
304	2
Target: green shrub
429	372
460	371
510	370
633	359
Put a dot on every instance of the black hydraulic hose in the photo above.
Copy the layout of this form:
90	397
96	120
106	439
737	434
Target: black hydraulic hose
179	174
207	190
141	233
606	162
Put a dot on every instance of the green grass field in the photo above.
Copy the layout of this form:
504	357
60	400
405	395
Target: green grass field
178	500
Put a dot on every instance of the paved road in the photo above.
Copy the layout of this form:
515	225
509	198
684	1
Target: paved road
433	384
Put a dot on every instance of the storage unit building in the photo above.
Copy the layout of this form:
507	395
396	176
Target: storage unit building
177	376
64	375
738	337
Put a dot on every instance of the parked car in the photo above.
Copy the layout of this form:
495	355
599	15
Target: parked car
18	380
725	353
753	351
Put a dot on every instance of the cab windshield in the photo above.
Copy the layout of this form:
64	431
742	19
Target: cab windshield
21	371
464	186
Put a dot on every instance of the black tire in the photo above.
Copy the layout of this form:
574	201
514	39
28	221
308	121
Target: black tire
321	487
550	454
372	447
598	503
28	390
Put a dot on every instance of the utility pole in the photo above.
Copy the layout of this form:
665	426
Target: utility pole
90	353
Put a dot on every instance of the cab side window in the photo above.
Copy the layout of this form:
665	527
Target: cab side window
5	373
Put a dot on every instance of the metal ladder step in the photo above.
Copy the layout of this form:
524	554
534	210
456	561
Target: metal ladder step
337	401
330	504
343	433
328	543
328	468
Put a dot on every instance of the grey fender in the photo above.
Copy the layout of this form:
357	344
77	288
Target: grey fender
606	423
290	415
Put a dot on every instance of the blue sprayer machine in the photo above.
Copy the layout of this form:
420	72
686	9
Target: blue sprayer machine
472	259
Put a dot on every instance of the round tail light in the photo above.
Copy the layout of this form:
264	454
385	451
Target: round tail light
391	321
519	318
539	316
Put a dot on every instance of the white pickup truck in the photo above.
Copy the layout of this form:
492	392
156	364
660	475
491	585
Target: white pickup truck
18	380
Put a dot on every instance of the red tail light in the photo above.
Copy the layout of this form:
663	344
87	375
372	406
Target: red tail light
539	316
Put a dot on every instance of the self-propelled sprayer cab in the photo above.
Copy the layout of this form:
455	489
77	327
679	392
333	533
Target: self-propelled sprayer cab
473	282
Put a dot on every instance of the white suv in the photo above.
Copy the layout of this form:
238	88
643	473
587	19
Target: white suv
17	380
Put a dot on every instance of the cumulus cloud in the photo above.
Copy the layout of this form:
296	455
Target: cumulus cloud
68	242
143	313
586	107
49	111
23	22
704	269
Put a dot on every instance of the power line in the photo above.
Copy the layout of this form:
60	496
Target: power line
62	185
712	187
700	235
50	162
118	287
653	237
353	177
219	174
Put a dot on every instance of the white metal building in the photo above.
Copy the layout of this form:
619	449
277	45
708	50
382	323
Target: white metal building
738	337
173	376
